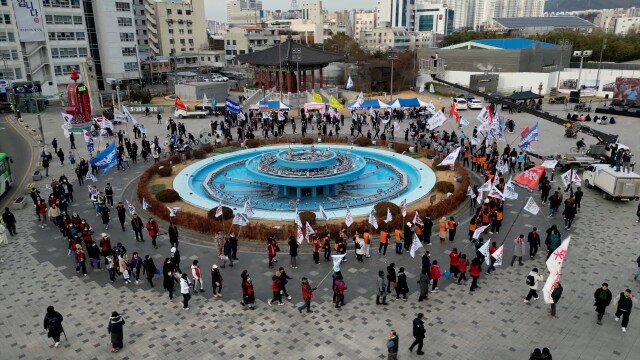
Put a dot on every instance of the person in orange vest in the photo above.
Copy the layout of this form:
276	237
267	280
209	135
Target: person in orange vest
454	261
399	243
367	243
385	237
315	245
452	224
472	228
418	231
326	245
496	220
442	233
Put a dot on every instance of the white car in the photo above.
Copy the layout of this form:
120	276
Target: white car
218	78
461	104
475	104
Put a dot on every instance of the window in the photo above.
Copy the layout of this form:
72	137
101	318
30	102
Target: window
144	22
8	54
141	12
6	19
181	31
125	21
187	12
191	42
182	41
170	41
18	73
3	2
234	42
52	36
62	3
179	12
127	37
146	42
77	20
131	66
123	6
82	52
128	51
80	35
63	36
60	19
10	36
170	31
189	31
63	69
168	11
144	32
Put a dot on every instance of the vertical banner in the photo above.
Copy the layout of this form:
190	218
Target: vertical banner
29	20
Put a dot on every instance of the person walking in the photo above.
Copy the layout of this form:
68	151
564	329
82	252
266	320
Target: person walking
276	288
533	281
234	245
248	295
284	280
423	282
442	230
381	288
53	325
518	250
534	242
10	221
624	303
168	278
602	297
577	198
419	333
197	276
173	235
474	271
121	211
452	225
463	263
293	250
185	285
569	213
454	261
137	226
556	293
436	274
637	274
116	329
392	345
402	288
154	230
340	288
216	281
391	277
307	295
553	240
227	253
149	268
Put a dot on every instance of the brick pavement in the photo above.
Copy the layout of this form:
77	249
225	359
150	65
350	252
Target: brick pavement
492	323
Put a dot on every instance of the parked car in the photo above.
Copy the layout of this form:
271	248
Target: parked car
475	104
461	104
467	97
218	78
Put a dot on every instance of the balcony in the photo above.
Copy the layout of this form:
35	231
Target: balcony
149	8
152	29
154	48
152	37
152	20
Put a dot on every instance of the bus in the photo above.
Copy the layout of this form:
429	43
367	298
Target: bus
6	178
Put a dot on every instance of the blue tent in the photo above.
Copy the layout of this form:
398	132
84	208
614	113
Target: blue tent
407	103
367	104
273	105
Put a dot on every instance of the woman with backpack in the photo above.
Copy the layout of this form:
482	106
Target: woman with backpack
553	240
53	325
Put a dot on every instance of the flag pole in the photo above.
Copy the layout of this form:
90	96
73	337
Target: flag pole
513	223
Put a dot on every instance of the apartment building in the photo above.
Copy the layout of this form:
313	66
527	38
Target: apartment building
364	21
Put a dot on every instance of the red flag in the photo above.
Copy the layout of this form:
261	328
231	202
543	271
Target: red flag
522	134
530	178
454	112
179	104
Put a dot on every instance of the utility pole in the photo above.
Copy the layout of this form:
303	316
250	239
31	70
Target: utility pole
392	56
604	46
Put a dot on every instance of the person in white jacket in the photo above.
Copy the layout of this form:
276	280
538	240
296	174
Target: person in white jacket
184	290
533	284
197	276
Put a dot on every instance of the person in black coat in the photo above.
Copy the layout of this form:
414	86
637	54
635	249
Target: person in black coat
408	236
115	328
10	220
569	214
137	225
120	209
173	235
149	268
53	325
168	279
419	333
602	298
293	251
402	288
534	242
426	263
428	226
391	277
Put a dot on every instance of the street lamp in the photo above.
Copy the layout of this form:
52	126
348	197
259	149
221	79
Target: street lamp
392	56
604	46
581	54
563	45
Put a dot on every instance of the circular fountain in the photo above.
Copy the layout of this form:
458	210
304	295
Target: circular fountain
277	180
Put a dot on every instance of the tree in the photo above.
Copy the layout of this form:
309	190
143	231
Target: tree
343	44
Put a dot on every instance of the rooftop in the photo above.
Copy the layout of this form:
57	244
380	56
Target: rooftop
290	54
501	44
544	21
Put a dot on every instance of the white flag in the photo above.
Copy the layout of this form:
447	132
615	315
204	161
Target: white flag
240	219
299	236
498	254
348	219
463	121
484	250
417	220
145	204
478	231
91	177
323	213
486	186
65	130
502	167
372	219
554	265
173	211
415	245
309	229
432	89
431	108
205	101
479	198
531	206
297	219
510	191
87	136
421	88
372	112
248	209
495	193
570	177
219	211
389	217
349	83
470	192
92	190
130	207
437	120
360	99
128	114
403	207
451	158
337	259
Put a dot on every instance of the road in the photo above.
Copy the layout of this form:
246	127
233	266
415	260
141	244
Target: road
14	143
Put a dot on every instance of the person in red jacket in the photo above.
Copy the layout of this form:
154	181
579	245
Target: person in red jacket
276	287
339	289
435	275
41	210
307	295
474	271
248	295
154	230
271	252
492	248
462	268
454	259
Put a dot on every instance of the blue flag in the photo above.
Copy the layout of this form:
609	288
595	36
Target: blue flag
529	137
106	160
214	102
231	106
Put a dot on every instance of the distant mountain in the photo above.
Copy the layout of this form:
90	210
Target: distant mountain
574	5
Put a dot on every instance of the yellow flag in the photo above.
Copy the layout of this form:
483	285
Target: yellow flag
317	97
334	103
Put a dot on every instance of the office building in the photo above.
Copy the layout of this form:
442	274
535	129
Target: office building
364	21
312	11
395	13
437	19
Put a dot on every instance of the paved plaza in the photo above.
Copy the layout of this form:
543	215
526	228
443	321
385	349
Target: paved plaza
492	323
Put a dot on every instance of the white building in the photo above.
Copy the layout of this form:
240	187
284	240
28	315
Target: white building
364	21
395	13
12	67
625	25
140	8
385	39
422	40
437	19
312	11
176	27
244	12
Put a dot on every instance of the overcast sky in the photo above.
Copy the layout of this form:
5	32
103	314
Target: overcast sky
217	9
